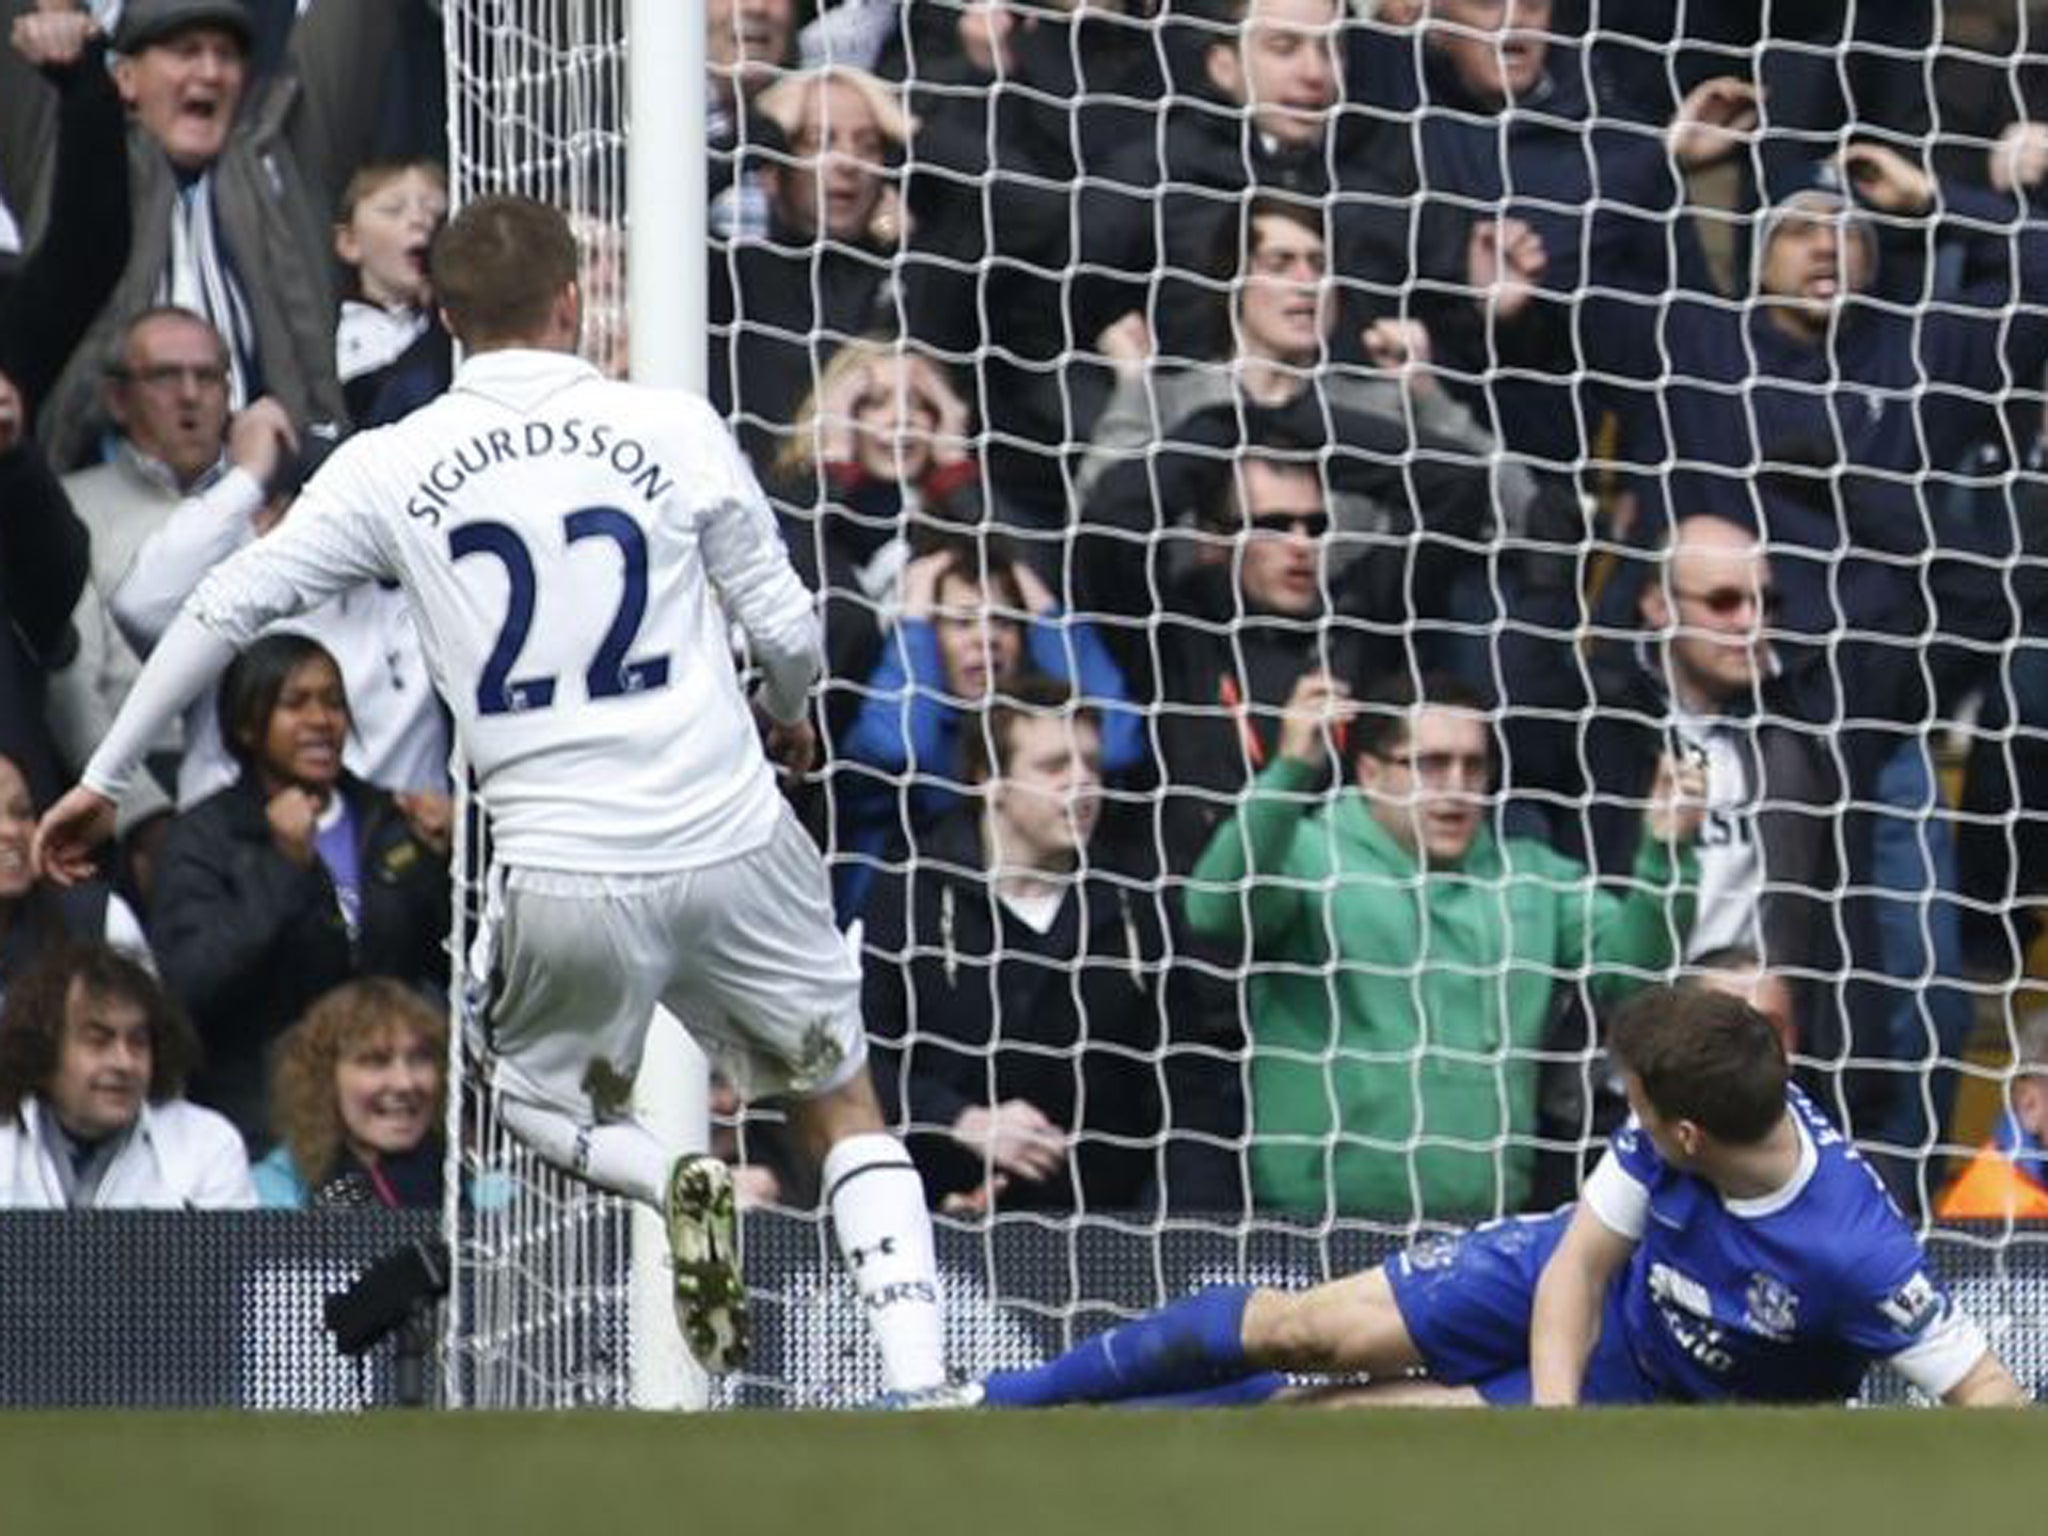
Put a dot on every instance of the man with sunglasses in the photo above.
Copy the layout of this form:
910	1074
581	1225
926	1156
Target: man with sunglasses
1407	959
1698	674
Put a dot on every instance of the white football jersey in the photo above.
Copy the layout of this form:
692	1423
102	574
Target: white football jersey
565	541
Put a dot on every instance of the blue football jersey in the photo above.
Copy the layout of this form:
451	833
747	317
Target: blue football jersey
1787	1297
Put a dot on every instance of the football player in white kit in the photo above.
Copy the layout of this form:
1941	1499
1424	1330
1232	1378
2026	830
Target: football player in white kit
571	547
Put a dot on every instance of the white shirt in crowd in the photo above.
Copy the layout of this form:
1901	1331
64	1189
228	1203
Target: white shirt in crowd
1730	855
399	738
178	1157
370	337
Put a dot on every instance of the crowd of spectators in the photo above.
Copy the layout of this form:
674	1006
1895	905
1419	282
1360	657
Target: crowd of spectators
1350	534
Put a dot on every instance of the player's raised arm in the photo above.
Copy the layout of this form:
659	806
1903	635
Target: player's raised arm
189	658
1564	1321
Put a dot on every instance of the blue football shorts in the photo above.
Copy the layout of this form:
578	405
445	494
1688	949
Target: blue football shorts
1466	1299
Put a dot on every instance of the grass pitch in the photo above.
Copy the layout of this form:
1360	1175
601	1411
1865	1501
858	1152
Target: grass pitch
1667	1472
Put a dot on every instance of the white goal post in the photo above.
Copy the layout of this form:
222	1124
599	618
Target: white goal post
596	106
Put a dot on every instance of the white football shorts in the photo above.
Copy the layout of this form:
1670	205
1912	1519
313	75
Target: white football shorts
744	952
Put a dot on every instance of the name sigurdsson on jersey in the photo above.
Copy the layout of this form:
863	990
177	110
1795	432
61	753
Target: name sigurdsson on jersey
573	438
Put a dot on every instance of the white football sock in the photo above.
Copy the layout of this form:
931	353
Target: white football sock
885	1236
623	1157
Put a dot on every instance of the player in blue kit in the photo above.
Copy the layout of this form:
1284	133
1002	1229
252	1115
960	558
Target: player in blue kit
1729	1247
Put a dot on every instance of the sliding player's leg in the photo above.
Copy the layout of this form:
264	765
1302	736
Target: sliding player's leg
1224	1345
1455	1308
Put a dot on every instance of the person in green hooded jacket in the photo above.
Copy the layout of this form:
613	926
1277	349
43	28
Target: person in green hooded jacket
1407	960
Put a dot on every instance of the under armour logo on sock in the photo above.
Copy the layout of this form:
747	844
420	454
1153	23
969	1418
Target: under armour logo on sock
886	1248
579	1160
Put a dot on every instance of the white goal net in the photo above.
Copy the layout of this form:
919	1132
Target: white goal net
1654	392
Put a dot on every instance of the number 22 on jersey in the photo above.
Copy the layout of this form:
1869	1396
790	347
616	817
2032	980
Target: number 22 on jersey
610	673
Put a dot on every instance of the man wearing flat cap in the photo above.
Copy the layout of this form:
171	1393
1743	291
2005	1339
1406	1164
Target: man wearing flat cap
232	188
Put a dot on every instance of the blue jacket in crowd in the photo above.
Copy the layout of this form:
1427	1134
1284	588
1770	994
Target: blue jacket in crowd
909	729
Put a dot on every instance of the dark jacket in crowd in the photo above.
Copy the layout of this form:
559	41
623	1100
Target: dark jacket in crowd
47	916
247	939
1150	225
967	1005
991	188
44	561
1802	429
49	301
1792	774
422	372
1820	64
1553	164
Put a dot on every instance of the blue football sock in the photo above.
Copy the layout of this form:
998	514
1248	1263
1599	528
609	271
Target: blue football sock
1191	1346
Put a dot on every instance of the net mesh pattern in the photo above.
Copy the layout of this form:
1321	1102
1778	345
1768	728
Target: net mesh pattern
1051	353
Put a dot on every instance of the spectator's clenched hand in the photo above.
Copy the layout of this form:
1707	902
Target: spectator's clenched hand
54	38
1887	180
1317	711
1015	1136
1504	261
260	438
1678	799
1717	118
2020	157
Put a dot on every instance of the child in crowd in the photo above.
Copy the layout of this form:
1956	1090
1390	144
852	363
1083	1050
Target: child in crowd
389	348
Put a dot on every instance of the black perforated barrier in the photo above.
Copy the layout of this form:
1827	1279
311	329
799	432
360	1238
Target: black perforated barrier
138	1309
172	1309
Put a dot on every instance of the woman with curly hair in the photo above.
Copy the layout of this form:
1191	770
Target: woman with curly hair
357	1099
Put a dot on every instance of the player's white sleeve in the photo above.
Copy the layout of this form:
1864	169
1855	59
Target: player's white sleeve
1614	1195
187	658
319	551
1943	1355
744	557
201	532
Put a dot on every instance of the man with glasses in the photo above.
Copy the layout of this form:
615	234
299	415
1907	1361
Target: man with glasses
1407	959
164	386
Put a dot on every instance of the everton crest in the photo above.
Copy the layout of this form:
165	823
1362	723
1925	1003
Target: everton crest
1772	1305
